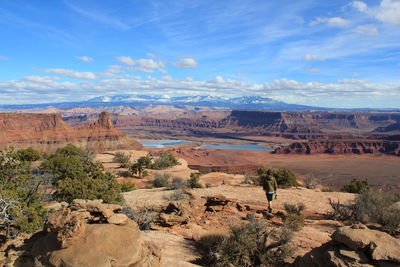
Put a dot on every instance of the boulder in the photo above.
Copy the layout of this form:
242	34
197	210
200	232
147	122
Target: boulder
355	246
381	246
67	226
85	235
120	219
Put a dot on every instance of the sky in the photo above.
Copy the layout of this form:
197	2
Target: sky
320	53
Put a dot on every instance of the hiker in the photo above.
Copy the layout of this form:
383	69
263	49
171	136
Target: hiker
270	186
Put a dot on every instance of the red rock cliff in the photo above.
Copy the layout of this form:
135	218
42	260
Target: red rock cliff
48	129
332	146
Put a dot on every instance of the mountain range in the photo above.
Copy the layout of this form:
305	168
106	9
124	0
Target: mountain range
238	103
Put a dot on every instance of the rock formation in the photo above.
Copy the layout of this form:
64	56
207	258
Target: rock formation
90	233
338	146
48	130
354	246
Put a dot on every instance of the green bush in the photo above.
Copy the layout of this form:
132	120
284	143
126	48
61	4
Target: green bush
356	186
127	186
194	181
28	154
103	186
161	180
164	161
20	194
77	176
139	166
284	178
122	159
248	245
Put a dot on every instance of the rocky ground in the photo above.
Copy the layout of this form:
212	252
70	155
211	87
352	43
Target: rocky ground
173	222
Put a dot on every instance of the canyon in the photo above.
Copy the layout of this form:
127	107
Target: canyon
49	131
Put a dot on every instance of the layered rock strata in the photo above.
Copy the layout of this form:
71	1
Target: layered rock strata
337	146
21	130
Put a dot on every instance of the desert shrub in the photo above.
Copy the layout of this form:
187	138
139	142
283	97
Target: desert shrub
284	178
294	221
122	159
212	239
124	174
178	183
327	189
161	180
204	171
310	182
340	211
28	154
144	217
127	186
164	161
356	186
251	179
294	208
294	218
45	155
104	186
250	244
139	166
177	195
20	194
145	161
194	180
371	206
377	207
77	176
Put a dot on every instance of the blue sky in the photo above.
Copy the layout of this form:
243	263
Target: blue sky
324	53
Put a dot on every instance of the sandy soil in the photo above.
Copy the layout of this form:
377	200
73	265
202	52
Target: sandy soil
382	171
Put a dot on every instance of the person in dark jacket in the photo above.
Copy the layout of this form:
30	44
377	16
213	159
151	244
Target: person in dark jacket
270	187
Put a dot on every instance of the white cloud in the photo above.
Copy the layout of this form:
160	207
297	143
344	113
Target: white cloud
313	70
361	6
388	11
33	89
367	29
309	57
398	64
241	75
154	56
355	74
84	58
72	73
40	79
336	22
3	58
186	63
142	65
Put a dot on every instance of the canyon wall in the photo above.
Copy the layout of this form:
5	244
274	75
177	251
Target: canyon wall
294	125
339	146
49	130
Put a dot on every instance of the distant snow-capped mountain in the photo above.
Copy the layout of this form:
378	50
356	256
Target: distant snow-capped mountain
243	103
246	102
